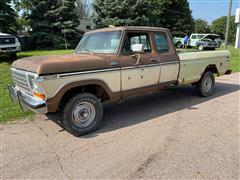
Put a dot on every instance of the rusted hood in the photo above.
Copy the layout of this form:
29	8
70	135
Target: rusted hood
44	65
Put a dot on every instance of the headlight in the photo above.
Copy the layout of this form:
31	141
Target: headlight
37	90
33	83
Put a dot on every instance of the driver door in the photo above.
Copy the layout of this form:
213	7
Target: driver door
138	75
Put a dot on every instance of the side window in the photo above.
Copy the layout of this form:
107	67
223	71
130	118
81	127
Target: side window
136	38
194	37
161	42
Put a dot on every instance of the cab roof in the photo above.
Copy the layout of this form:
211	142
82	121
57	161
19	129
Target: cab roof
124	28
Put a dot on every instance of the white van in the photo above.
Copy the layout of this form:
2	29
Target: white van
9	44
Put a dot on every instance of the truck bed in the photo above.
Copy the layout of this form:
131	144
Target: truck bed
193	64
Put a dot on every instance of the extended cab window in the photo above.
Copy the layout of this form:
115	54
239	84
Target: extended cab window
161	42
194	37
136	38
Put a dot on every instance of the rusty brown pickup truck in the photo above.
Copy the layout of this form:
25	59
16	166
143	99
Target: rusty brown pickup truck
110	64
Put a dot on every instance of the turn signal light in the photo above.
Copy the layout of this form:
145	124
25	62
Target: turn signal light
39	95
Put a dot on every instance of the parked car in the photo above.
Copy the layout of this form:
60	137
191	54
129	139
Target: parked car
9	44
204	41
178	41
110	64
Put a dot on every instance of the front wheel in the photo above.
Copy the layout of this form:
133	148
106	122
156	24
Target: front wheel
82	114
205	86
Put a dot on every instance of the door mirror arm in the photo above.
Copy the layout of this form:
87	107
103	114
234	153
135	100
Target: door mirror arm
138	57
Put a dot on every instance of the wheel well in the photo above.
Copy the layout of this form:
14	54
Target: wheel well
96	90
212	68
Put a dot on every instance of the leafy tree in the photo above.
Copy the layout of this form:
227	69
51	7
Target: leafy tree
219	27
7	17
121	12
83	8
201	26
53	22
174	15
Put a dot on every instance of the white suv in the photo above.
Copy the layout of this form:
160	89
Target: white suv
9	44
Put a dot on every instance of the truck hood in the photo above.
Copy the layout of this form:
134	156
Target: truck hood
44	65
210	36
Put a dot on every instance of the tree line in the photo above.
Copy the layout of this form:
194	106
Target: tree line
53	23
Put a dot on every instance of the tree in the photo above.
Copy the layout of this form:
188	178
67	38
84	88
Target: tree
219	27
7	17
174	15
121	13
201	26
83	9
53	22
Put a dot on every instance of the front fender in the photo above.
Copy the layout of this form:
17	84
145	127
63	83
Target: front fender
53	103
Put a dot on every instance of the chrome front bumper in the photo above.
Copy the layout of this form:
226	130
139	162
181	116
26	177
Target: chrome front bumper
26	101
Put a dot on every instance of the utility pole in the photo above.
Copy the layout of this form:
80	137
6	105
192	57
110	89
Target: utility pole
228	23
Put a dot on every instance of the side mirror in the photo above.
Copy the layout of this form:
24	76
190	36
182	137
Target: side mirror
137	48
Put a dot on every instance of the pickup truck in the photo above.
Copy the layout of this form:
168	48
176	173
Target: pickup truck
205	41
110	64
9	44
178	41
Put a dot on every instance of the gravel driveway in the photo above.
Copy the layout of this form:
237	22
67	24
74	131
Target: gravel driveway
172	134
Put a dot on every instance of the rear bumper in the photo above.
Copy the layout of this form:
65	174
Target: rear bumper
26	101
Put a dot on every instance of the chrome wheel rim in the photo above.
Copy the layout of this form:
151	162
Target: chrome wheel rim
207	84
83	114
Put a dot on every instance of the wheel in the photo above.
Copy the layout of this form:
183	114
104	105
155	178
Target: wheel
13	55
200	47
82	114
179	45
205	86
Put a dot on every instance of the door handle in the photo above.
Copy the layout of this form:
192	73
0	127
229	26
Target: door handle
114	64
154	60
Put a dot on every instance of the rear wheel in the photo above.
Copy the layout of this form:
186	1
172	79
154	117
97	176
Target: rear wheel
205	86
82	114
200	47
179	45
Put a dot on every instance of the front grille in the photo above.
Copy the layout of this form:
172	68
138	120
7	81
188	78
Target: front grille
7	49
7	40
20	79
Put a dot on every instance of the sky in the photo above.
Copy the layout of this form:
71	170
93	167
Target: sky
212	9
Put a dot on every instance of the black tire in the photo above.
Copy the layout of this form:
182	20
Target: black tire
200	47
205	87
13	55
68	110
179	45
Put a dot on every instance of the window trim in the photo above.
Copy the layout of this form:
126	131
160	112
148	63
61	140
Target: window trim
139	32
167	40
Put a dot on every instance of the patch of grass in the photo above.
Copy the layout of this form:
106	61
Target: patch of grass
9	110
235	63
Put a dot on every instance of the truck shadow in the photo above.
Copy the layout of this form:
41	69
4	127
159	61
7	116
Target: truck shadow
140	109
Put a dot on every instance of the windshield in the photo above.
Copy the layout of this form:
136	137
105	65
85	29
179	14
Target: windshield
100	42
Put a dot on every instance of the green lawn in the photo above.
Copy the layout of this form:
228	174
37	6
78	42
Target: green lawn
10	111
